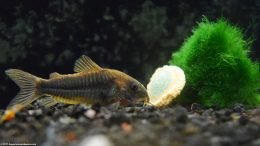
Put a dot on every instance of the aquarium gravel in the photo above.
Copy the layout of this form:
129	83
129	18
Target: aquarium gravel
72	125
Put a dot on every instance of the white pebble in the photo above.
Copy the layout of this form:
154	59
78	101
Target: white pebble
90	113
96	140
66	120
35	112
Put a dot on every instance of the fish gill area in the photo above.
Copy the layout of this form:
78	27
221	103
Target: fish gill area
70	125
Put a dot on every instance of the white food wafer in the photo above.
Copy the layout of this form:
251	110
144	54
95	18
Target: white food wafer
165	84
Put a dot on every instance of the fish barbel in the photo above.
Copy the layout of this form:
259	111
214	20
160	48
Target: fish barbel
90	84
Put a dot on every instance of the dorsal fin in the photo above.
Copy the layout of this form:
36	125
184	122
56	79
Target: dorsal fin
54	75
84	63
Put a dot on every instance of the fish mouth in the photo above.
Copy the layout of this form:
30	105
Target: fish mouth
140	101
146	102
134	101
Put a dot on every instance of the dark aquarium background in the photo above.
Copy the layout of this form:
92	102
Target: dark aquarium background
41	37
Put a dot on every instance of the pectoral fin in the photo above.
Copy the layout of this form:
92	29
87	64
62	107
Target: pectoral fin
115	105
84	63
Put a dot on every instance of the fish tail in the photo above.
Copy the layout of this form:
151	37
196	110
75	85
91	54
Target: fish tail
28	88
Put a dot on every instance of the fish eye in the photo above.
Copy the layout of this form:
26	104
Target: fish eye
134	87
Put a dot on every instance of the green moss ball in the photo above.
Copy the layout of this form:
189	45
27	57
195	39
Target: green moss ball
216	63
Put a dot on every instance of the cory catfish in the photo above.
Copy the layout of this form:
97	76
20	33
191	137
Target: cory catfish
90	84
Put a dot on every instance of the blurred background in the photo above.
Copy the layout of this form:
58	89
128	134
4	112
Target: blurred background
134	36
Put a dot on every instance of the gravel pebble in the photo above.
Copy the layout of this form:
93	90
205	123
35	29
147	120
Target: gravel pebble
96	140
90	113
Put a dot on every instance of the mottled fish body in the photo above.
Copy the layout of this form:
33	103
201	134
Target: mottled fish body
89	85
85	87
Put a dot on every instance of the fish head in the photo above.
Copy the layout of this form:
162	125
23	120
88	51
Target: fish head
131	91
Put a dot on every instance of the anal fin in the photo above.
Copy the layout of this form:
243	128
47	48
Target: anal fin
47	101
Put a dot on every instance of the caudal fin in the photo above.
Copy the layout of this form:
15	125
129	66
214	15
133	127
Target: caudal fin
28	87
